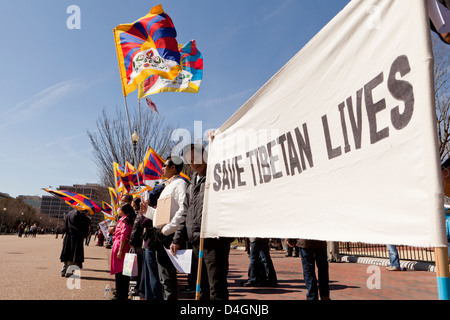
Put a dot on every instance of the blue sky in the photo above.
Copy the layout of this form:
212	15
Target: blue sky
56	81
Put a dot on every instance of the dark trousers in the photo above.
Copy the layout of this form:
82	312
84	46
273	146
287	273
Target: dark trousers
214	284
167	274
140	278
153	288
296	251
310	258
192	277
261	269
122	286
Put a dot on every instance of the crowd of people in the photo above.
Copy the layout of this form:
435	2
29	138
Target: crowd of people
31	230
134	231
156	278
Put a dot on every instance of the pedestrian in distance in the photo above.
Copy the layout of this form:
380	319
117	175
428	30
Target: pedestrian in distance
292	248
88	237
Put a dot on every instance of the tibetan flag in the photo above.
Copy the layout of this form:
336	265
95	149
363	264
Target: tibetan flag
114	199
128	180
131	179
145	47
129	167
76	200
118	171
153	165
106	208
188	80
107	211
71	202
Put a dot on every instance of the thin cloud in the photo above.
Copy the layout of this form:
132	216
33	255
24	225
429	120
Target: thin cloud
44	99
62	141
277	11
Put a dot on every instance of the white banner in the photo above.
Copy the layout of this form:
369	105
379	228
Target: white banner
340	144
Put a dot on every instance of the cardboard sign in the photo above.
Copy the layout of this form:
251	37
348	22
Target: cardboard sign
162	214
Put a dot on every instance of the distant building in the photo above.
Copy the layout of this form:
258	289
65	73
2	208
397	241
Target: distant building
56	208
4	196
33	201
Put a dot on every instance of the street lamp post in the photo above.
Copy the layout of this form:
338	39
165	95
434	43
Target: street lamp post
135	139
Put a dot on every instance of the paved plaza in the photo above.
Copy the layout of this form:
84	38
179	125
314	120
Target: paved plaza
30	270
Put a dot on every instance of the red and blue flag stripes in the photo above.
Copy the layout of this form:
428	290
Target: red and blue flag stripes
153	165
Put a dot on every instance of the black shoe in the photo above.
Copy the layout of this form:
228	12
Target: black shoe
133	292
187	290
249	284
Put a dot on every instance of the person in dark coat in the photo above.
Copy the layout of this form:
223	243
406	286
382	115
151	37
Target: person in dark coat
214	285
75	229
314	253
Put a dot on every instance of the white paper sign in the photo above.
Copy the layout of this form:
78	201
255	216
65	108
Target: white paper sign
104	228
181	260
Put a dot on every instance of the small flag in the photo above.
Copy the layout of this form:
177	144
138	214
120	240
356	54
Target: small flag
76	200
106	207
118	171
114	198
153	165
151	105
188	80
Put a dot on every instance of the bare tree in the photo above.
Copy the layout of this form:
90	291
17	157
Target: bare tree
112	142
15	211
442	95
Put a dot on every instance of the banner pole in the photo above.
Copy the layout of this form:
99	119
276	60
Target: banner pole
199	270
442	272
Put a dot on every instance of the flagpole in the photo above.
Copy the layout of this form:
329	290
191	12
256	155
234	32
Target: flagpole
140	124
442	272
211	136
199	270
131	139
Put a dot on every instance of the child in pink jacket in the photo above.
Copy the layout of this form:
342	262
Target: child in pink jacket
121	246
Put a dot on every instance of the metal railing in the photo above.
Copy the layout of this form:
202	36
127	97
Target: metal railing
380	251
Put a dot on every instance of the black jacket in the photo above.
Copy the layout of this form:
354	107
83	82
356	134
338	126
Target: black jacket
190	224
76	228
136	232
